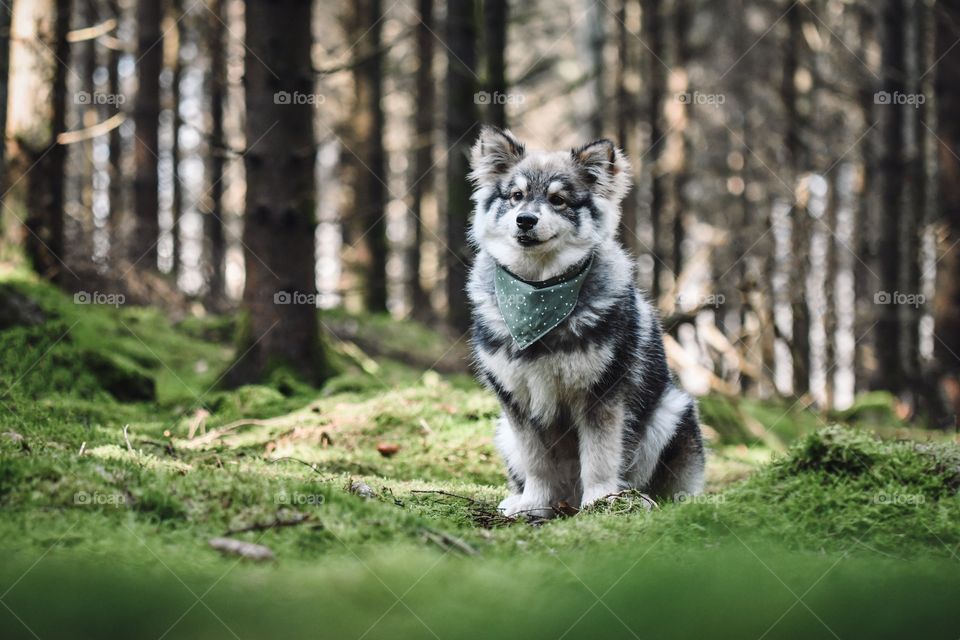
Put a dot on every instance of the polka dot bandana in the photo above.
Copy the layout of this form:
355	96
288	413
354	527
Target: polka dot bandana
531	310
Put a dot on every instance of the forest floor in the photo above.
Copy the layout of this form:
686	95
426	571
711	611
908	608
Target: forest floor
376	497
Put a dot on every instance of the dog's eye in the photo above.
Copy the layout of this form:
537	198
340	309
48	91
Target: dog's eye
516	196
556	200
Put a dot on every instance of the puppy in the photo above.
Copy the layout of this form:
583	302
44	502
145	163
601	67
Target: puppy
561	334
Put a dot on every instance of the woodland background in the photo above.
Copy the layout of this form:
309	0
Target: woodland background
235	395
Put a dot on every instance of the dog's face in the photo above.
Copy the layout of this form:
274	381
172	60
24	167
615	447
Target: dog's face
539	213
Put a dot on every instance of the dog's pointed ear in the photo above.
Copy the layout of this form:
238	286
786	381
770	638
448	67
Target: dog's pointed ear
494	153
605	167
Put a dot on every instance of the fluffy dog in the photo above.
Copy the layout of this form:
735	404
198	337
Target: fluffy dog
572	349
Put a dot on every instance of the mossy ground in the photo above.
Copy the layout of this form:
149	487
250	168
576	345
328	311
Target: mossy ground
806	531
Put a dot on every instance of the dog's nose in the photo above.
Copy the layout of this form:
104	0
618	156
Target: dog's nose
526	221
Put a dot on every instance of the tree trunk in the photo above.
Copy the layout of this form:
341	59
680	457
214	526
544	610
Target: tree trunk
830	290
947	301
45	182
655	88
889	332
279	216
626	124
422	155
799	216
114	143
146	113
176	205
364	215
681	27
217	149
495	43
461	86
6	16
595	36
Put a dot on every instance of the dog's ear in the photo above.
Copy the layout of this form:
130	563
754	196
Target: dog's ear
493	154
605	167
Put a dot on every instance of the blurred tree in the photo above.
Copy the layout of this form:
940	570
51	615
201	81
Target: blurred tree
45	178
279	296
947	303
216	242
146	114
495	14
796	160
364	213
594	28
461	120
6	16
115	149
626	114
423	124
655	88
175	63
890	369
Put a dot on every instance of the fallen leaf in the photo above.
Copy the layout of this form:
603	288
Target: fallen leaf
387	449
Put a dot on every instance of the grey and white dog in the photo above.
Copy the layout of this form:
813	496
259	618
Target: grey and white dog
590	408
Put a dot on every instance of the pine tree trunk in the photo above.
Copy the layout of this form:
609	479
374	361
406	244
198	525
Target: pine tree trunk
681	27
45	182
800	223
279	215
6	16
495	44
626	124
364	214
116	190
595	36
216	241
889	331
176	205
461	86
947	303
654	89
146	229
422	157
830	290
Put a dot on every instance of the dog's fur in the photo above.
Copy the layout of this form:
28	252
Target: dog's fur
591	408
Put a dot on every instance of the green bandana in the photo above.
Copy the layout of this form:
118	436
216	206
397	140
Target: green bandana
531	310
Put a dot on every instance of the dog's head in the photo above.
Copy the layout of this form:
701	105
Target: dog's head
538	213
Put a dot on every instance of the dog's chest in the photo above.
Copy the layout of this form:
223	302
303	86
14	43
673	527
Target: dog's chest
550	384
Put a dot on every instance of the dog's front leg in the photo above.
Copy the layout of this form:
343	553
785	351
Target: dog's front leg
601	450
528	457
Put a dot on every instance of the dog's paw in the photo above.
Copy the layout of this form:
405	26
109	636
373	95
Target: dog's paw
593	495
519	506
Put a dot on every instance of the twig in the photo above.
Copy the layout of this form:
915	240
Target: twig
313	467
83	446
126	437
446	493
298	518
447	541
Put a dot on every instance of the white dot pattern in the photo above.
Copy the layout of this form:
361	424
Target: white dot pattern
532	310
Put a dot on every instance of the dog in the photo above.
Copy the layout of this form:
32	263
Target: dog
573	351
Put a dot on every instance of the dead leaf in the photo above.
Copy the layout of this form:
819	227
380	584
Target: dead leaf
387	449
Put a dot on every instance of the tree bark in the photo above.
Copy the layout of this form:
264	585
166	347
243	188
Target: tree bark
279	217
6	16
461	86
495	44
889	332
146	229
115	191
947	301
422	156
655	87
216	240
364	214
626	124
176	206
45	182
